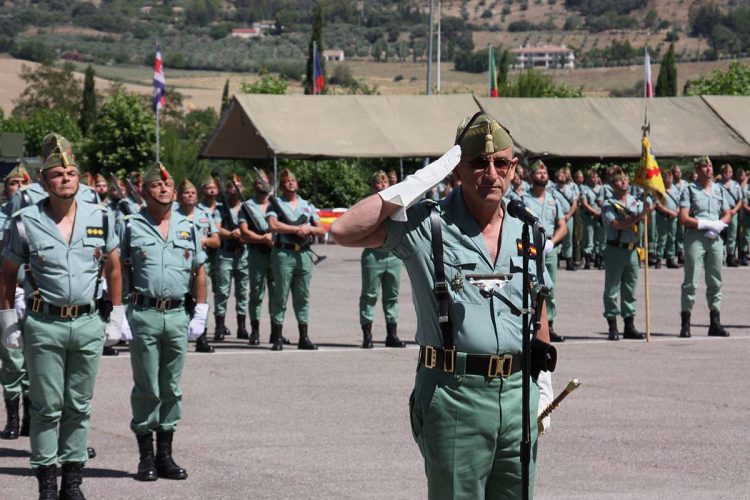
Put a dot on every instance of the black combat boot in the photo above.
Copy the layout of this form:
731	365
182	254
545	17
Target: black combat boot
276	339
614	333
743	259
91	452
304	341
599	262
70	486
220	331
146	462
367	336
629	332
586	261
652	259
715	329
26	420
554	337
732	261
657	262
109	350
46	476
241	330
685	324
672	263
165	466
254	332
570	265
11	426
391	338
202	345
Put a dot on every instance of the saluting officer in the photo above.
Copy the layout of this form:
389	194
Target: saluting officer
621	215
255	230
164	259
552	217
380	269
705	213
65	245
294	220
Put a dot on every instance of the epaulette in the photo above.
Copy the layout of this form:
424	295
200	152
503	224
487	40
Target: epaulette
129	216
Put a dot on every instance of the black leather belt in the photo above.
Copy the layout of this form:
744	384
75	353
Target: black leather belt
290	246
621	244
259	247
496	365
160	304
39	306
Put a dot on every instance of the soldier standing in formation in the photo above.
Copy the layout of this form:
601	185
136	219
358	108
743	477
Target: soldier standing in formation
551	216
208	203
255	230
566	193
705	213
57	239
733	194
295	221
593	237
164	260
666	223
380	269
681	184
621	215
745	219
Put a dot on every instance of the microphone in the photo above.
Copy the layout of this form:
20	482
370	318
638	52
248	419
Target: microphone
517	209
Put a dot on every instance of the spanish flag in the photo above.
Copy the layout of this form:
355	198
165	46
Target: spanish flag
648	175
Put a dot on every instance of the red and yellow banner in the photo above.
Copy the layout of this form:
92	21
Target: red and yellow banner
648	175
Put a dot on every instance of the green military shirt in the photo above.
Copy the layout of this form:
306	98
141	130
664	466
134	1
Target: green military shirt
305	213
548	211
613	210
162	269
733	193
565	195
258	222
65	273
203	222
214	213
606	192
480	325
703	205
591	194
672	198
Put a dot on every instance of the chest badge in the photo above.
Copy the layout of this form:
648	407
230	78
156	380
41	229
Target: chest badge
457	283
186	254
97	253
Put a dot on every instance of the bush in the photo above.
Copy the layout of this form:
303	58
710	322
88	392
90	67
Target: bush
398	78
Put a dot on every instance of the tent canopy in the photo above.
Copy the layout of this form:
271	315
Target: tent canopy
352	126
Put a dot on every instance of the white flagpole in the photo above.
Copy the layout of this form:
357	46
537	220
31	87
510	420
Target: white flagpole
440	18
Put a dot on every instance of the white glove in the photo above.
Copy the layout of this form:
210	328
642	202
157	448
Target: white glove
716	226
11	329
198	324
410	190
546	396
19	303
113	330
548	247
127	333
711	234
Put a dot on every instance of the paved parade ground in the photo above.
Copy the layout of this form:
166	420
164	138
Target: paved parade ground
666	419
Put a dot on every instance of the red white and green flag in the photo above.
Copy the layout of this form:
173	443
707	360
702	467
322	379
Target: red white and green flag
493	76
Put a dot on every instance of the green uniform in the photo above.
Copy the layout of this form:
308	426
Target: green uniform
467	426
161	269
566	196
291	264
231	264
620	258
592	225
680	237
215	216
745	222
666	227
700	249
380	269
549	212
261	275
733	194
62	354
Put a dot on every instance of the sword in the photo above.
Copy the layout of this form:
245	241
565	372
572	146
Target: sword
572	386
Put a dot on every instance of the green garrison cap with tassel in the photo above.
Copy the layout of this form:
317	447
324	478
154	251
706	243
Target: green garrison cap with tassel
57	152
702	160
484	136
156	173
185	185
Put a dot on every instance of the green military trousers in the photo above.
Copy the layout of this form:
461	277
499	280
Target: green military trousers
550	262
468	429
620	280
13	375
62	358
261	276
666	229
292	270
730	241
593	235
745	234
566	250
157	356
700	250
229	266
379	270
680	240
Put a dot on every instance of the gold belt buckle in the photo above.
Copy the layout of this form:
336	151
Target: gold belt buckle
69	312
631	246
449	360
36	304
297	248
430	355
500	366
161	304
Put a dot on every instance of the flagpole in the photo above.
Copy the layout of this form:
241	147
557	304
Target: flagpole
489	73
315	51
440	18
645	230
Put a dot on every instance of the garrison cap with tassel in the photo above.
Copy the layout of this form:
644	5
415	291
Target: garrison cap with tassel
156	173
18	172
185	185
484	136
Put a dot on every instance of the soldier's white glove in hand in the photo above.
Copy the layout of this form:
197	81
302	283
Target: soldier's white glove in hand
548	247
546	396
716	226
127	333
711	234
409	191
198	324
113	330
19	303
11	329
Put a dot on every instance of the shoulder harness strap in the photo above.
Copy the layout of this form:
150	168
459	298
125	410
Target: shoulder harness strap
442	296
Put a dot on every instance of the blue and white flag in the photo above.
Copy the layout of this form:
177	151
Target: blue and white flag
159	84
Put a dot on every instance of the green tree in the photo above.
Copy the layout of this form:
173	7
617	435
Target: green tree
503	68
41	122
331	183
225	97
733	81
266	84
88	102
532	83
48	87
123	136
317	37
666	83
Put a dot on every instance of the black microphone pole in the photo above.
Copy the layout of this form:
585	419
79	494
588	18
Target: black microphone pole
525	366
